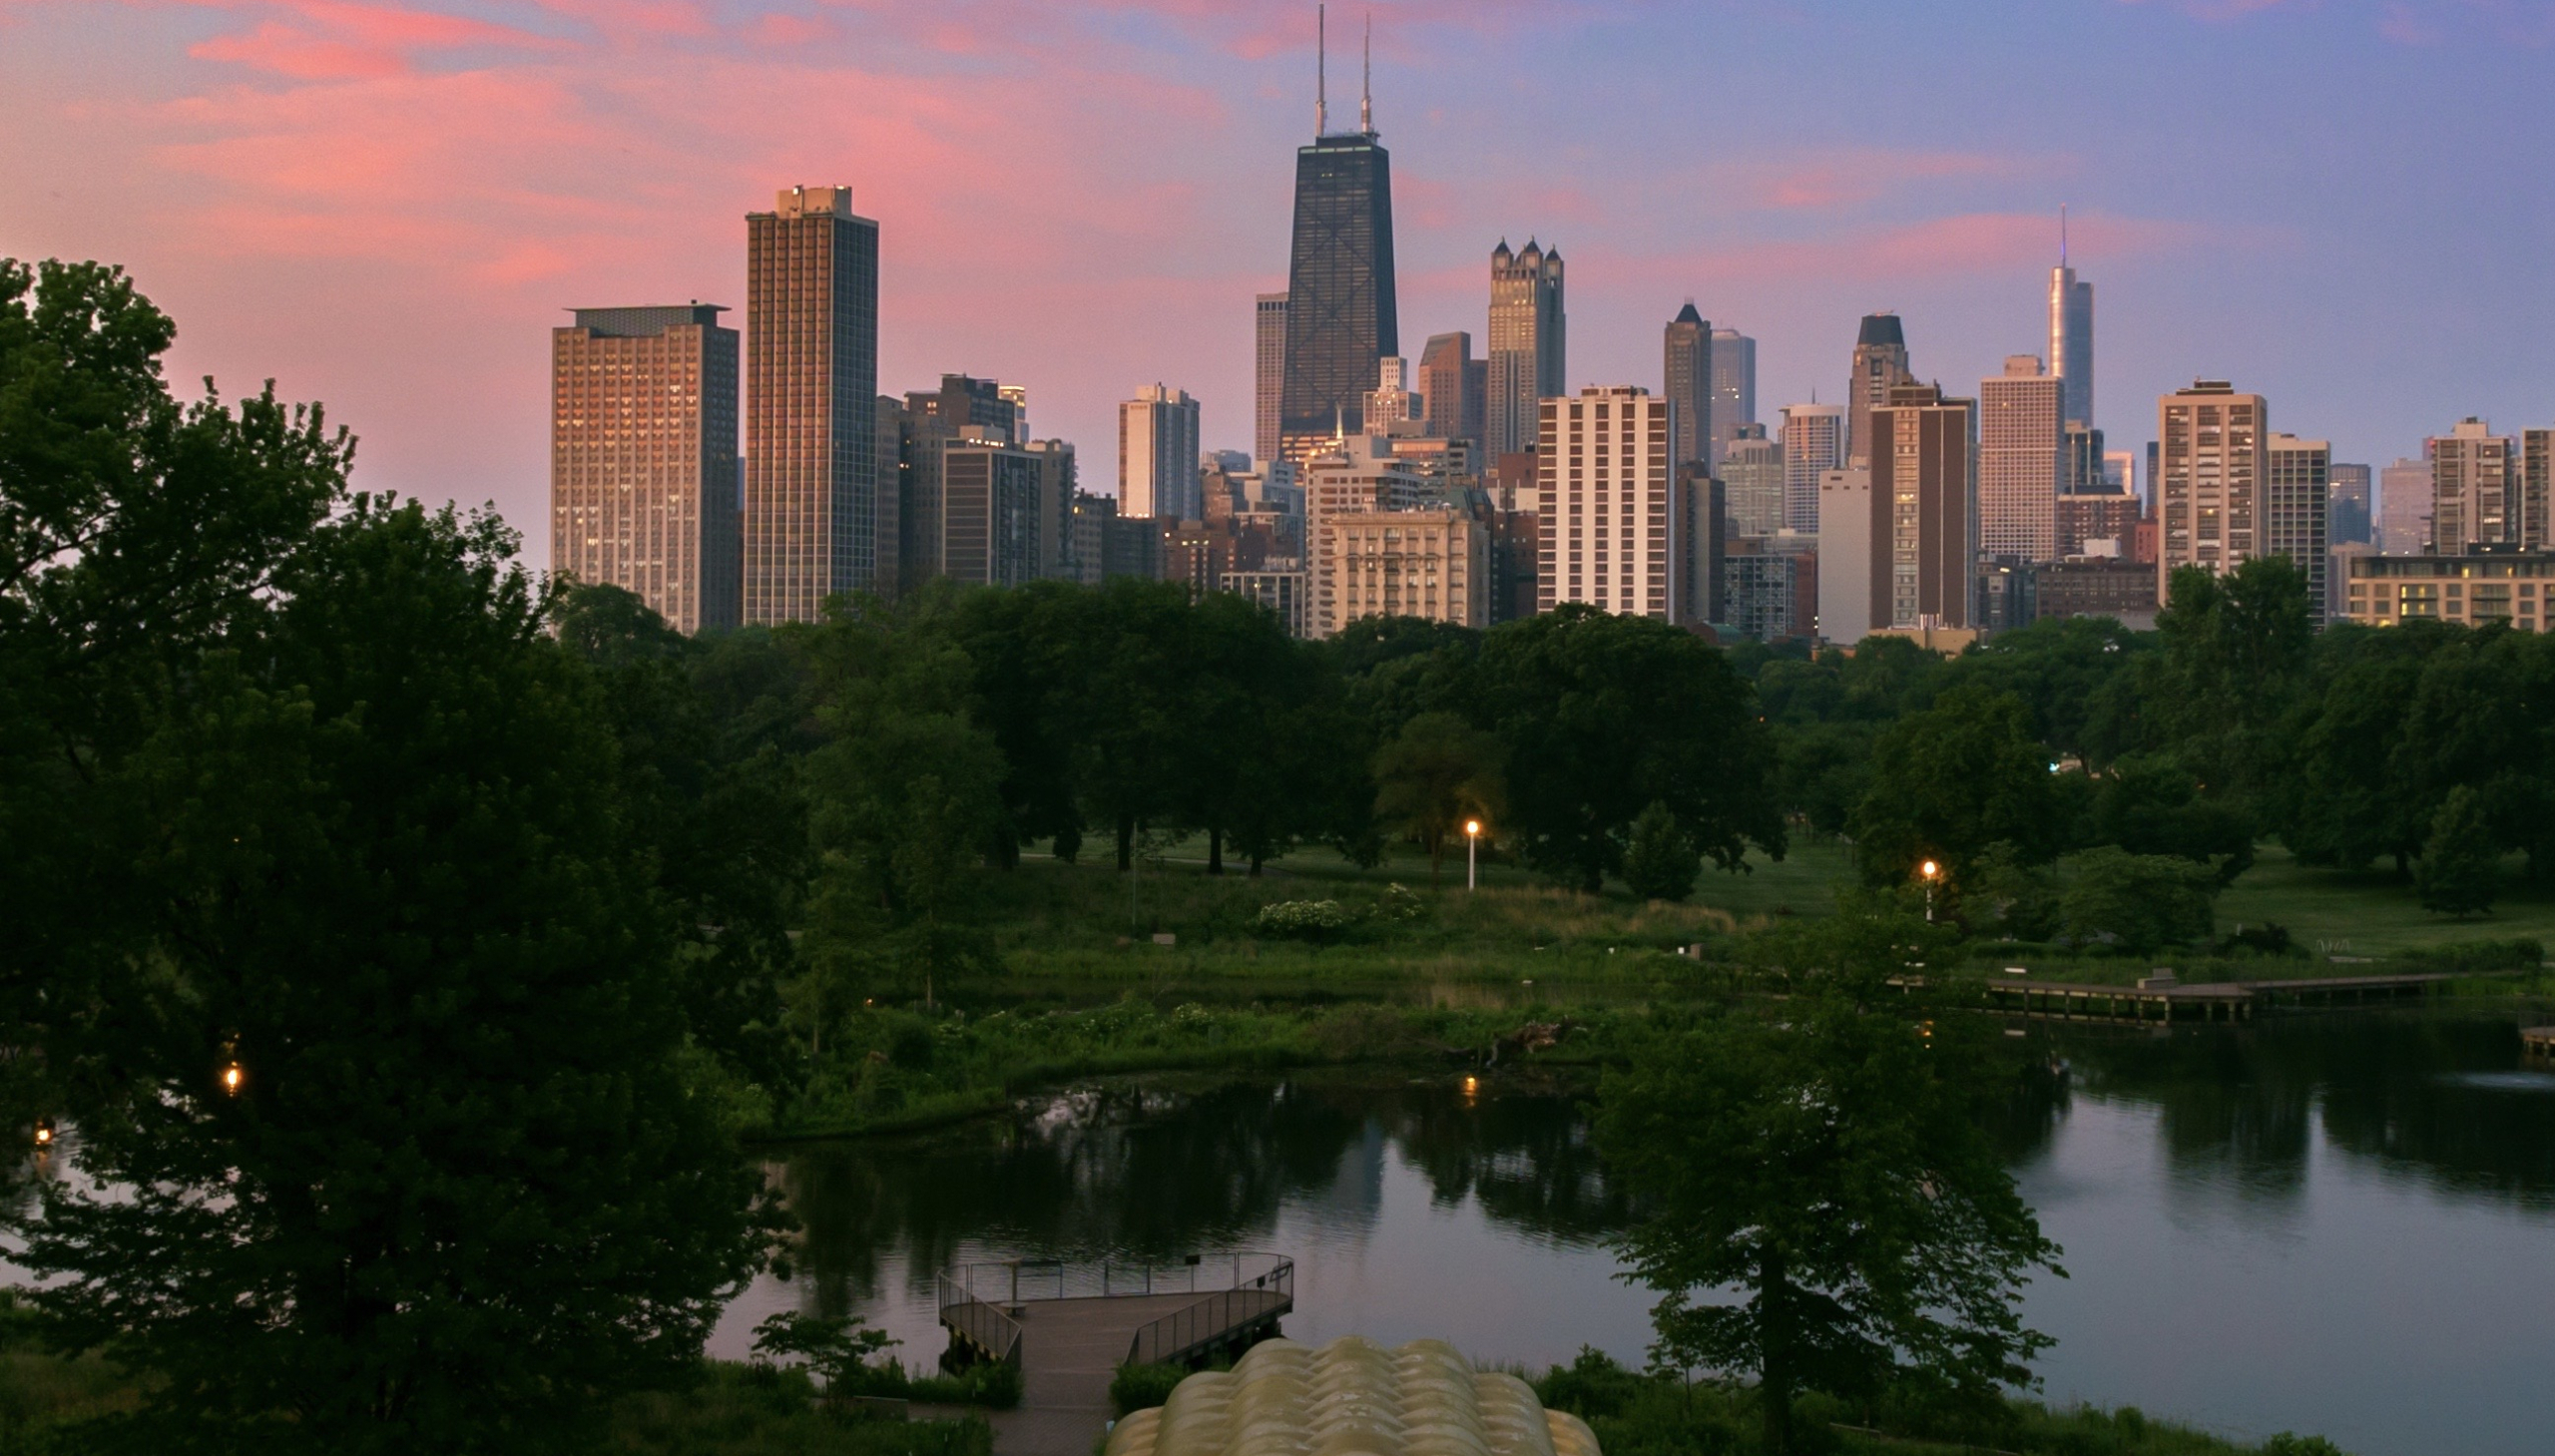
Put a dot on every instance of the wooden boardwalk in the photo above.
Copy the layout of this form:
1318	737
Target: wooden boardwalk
2219	1001
2537	1044
1070	1347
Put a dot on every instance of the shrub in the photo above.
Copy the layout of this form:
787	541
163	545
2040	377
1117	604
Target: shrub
1304	919
1661	862
2139	903
2470	957
1141	1387
2462	869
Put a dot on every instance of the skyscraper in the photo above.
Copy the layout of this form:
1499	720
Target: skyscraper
1158	454
2022	457
1613	525
2474	475
1341	312
1687	376
643	458
2351	516
2071	337
1753	480
811	383
1813	444
2208	478
963	407
1924	531
1526	343
1269	358
2298	479
2404	508
1734	386
1880	362
1451	383
992	532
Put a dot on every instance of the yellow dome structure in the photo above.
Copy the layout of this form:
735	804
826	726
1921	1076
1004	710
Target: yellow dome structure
1352	1397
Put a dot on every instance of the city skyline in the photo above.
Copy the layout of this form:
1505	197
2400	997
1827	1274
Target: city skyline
460	180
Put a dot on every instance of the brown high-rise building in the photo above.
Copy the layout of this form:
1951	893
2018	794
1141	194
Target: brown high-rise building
1925	508
812	387
643	458
1452	384
1687	377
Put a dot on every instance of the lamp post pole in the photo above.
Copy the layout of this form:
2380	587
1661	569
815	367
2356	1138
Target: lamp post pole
1932	872
1472	855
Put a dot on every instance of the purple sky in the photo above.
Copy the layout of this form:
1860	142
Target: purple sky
2343	204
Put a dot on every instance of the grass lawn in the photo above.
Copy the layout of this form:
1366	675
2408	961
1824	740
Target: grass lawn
2371	912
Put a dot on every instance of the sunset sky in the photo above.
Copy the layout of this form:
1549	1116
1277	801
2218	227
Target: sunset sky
2343	204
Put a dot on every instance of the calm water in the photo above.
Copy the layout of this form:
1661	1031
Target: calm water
2343	1224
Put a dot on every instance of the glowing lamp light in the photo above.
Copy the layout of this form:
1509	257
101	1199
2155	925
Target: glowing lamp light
1472	827
43	1132
1471	1084
233	1075
1929	869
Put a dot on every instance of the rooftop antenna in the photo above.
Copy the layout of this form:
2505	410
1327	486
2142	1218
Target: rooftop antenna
1322	84
1366	82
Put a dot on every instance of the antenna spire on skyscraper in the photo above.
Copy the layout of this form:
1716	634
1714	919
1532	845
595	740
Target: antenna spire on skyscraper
1321	91
1366	82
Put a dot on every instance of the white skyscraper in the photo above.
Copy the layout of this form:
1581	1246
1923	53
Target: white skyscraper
1614	528
2021	459
1158	454
2071	336
1813	444
2209	478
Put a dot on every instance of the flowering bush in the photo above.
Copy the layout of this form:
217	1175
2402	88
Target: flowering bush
1310	920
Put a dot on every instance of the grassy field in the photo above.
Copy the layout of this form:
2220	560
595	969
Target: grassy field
2373	912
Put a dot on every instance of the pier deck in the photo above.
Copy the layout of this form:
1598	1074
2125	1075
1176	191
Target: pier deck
2219	1001
1070	1326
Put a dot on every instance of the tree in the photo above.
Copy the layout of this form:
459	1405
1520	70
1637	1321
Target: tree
2139	902
2148	803
2461	867
1825	1209
1661	864
1435	775
459	1191
1603	716
1948	782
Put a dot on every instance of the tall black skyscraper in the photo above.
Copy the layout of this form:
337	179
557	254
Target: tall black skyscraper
1340	314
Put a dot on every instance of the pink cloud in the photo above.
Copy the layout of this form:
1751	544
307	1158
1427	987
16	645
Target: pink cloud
1845	178
321	40
1937	247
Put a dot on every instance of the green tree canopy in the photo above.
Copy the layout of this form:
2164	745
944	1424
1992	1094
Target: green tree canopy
2462	869
1824	1209
1952	780
2139	902
1437	772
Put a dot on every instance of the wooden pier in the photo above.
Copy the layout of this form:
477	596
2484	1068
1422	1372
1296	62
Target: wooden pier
1069	1326
2155	1001
2537	1044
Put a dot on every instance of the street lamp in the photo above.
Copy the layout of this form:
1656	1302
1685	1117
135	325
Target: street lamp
1932	872
1472	855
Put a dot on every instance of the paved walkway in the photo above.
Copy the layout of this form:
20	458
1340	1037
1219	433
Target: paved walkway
1069	1349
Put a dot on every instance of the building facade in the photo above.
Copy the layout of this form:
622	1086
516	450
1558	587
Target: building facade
962	408
1846	567
643	459
1769	587
2085	522
812	382
991	526
1527	344
2351	515
2298	481
1880	365
1279	589
1754	480
1360	475
1430	564
1610	513
2071	341
1451	385
2474	480
1341	315
1158	454
2208	478
1268	373
1734	386
2473	587
1685	374
1924	498
1813	444
2022	460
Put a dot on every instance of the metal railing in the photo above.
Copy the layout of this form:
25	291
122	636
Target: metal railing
1185	1331
1015	1281
994	1333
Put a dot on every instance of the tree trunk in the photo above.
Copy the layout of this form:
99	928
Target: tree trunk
1254	867
1215	851
1126	843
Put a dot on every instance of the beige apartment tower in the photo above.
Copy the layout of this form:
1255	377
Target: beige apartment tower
1615	528
811	388
1528	350
2475	488
1268	372
2022	456
2211	448
643	458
